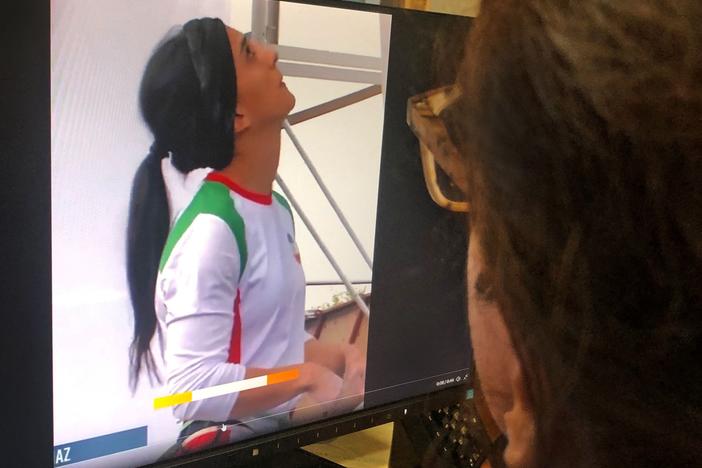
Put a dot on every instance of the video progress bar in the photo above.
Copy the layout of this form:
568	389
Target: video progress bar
224	389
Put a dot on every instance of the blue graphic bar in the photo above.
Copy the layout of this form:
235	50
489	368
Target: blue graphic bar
96	447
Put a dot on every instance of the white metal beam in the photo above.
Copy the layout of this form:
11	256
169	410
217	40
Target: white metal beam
325	57
327	193
310	227
349	75
334	104
265	20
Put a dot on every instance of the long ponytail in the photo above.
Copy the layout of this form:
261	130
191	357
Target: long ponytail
187	99
147	230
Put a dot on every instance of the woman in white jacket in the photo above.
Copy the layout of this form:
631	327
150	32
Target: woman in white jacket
220	278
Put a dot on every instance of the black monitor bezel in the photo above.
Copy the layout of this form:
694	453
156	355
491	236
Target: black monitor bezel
26	251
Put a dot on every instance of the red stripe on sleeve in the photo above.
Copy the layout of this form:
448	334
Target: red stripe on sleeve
235	346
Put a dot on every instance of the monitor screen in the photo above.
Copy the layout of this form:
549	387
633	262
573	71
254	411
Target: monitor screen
342	289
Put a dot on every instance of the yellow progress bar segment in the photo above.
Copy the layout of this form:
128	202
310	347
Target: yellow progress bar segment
172	400
219	390
285	376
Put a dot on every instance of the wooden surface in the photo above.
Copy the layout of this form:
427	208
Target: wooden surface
369	448
457	7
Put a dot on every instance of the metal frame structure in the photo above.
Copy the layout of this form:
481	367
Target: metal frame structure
324	65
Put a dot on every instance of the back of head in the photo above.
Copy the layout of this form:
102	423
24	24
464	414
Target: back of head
188	94
582	129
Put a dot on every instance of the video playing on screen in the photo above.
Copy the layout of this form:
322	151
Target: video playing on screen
216	278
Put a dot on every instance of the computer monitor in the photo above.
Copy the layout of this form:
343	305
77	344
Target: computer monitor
383	264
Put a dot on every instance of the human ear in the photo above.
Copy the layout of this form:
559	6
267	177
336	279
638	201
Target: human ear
242	121
520	425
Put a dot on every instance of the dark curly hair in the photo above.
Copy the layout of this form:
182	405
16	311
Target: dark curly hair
581	126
